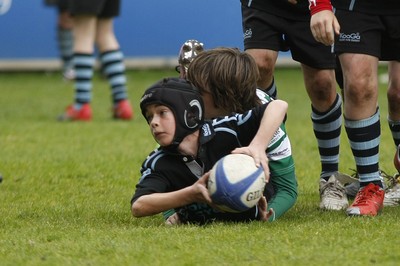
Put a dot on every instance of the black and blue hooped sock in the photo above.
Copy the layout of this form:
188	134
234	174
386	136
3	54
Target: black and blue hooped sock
83	65
65	46
114	69
327	128
272	90
364	137
395	129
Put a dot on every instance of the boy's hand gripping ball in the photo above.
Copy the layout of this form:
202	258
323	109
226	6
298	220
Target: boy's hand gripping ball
235	183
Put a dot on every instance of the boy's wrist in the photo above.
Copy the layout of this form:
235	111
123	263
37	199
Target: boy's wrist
319	5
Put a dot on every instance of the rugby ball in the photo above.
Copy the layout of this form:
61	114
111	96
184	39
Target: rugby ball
235	183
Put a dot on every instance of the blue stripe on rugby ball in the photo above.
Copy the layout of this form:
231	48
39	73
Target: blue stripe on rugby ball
228	193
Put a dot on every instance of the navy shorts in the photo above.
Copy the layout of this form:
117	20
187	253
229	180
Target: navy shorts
262	30
376	35
99	8
62	5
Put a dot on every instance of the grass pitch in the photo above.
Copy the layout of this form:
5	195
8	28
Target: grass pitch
65	195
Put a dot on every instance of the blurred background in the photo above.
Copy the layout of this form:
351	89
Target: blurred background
150	32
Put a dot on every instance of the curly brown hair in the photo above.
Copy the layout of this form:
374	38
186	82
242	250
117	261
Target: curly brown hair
229	75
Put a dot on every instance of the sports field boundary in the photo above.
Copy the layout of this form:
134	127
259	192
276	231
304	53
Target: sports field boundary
130	63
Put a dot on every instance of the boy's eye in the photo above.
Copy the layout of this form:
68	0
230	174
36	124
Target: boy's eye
164	112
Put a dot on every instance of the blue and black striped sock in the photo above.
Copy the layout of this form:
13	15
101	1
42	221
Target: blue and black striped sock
395	129
114	69
272	90
364	137
65	46
83	65
327	128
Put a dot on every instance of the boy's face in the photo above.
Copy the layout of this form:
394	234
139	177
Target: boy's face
161	121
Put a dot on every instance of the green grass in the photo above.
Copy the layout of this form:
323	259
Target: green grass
65	197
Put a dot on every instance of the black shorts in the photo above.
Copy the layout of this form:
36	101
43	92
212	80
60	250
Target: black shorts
62	5
378	36
262	30
99	8
50	2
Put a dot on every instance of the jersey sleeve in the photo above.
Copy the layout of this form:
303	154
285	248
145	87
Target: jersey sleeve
319	5
285	187
151	180
162	172
249	123
152	183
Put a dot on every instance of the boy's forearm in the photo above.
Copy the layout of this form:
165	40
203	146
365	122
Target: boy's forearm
155	203
273	117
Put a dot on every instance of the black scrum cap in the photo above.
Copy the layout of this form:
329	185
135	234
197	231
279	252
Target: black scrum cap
183	99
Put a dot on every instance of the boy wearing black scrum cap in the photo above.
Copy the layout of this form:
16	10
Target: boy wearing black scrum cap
174	176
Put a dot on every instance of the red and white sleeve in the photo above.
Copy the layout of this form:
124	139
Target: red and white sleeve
319	5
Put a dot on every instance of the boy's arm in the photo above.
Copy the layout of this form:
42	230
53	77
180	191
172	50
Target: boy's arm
323	24
155	203
272	118
285	196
